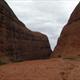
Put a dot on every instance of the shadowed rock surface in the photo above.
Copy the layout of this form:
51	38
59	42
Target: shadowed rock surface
69	42
18	43
49	69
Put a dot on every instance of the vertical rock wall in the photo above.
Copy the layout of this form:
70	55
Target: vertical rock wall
16	41
69	42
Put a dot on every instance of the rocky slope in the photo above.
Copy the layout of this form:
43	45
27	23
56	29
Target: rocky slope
17	42
69	42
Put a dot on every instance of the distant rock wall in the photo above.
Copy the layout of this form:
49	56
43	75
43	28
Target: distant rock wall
75	15
69	41
16	41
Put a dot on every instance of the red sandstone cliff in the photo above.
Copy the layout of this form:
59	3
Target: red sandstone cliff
50	69
18	43
69	42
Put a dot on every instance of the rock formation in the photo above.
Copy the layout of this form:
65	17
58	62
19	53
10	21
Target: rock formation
18	43
69	42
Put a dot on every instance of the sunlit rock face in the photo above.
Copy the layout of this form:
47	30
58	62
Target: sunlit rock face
69	41
18	43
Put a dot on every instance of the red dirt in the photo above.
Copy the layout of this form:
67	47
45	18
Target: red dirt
52	69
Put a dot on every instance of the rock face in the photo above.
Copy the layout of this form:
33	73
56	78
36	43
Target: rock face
18	43
69	42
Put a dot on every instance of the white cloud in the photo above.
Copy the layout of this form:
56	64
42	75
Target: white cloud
46	16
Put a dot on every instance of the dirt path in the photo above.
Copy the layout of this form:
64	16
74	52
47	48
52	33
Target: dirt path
52	69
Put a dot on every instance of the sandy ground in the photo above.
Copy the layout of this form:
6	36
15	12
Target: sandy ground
51	69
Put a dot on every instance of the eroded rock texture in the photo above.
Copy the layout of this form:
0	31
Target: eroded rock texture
18	43
69	42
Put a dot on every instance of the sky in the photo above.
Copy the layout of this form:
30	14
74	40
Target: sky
46	16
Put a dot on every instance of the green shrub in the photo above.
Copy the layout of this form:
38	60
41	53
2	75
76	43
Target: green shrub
1	62
72	58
